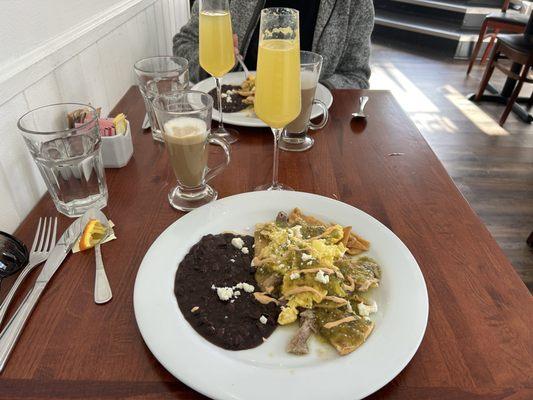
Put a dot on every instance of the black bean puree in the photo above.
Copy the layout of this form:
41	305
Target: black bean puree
236	103
232	326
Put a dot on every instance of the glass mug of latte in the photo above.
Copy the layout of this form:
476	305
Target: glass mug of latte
295	137
185	121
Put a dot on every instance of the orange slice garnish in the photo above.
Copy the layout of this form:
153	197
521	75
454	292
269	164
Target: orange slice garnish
93	233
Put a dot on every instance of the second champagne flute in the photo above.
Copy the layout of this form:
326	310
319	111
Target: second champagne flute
277	89
217	56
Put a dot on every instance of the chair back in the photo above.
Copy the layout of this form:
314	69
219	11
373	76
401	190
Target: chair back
528	33
505	5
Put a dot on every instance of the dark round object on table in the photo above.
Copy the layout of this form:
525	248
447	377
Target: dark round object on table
13	255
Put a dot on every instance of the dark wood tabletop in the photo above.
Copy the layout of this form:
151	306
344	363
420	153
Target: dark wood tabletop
478	343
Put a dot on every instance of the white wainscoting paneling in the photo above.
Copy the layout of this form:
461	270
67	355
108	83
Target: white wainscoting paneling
94	65
115	60
22	184
75	87
92	72
44	91
164	44
20	73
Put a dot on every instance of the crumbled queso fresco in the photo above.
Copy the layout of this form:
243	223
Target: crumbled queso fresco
224	293
229	293
307	257
321	277
245	286
295	231
294	275
365	310
237	242
263	320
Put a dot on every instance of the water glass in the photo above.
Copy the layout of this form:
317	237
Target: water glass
295	137
157	75
185	119
68	156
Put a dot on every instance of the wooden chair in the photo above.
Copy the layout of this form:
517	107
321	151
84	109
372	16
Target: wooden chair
509	22
518	49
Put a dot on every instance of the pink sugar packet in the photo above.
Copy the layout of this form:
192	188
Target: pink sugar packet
107	128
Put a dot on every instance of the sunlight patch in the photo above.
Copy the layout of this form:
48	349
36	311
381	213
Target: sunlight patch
475	114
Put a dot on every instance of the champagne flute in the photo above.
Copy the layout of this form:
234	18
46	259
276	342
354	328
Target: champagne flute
277	91
217	56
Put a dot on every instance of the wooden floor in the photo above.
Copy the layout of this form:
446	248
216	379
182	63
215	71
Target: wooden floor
492	166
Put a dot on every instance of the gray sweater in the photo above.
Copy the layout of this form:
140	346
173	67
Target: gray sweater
342	37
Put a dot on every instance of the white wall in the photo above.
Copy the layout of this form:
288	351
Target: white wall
90	63
41	20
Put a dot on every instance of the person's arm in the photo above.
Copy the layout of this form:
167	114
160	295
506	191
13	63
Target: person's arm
185	44
353	70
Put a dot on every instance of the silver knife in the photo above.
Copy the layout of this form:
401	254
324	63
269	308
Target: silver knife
13	329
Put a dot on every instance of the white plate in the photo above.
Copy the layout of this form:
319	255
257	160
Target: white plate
267	372
243	118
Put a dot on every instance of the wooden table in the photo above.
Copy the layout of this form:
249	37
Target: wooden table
478	343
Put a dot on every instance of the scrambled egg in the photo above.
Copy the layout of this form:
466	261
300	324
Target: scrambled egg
306	265
302	251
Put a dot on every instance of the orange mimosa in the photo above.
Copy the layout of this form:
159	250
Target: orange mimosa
216	42
277	97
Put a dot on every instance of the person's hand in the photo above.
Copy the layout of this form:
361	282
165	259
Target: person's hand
235	44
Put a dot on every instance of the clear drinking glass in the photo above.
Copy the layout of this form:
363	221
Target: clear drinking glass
68	156
160	75
277	90
295	136
217	55
185	118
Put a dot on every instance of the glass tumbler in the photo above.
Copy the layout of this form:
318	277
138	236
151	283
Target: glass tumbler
68	156
157	75
295	137
185	120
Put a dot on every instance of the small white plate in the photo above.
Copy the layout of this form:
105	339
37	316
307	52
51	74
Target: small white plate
267	371
247	118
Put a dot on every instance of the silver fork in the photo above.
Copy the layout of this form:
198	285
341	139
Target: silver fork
43	243
243	65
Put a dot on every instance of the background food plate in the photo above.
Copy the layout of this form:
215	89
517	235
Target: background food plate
243	118
268	372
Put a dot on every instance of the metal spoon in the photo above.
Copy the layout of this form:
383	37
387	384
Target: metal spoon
102	290
362	103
